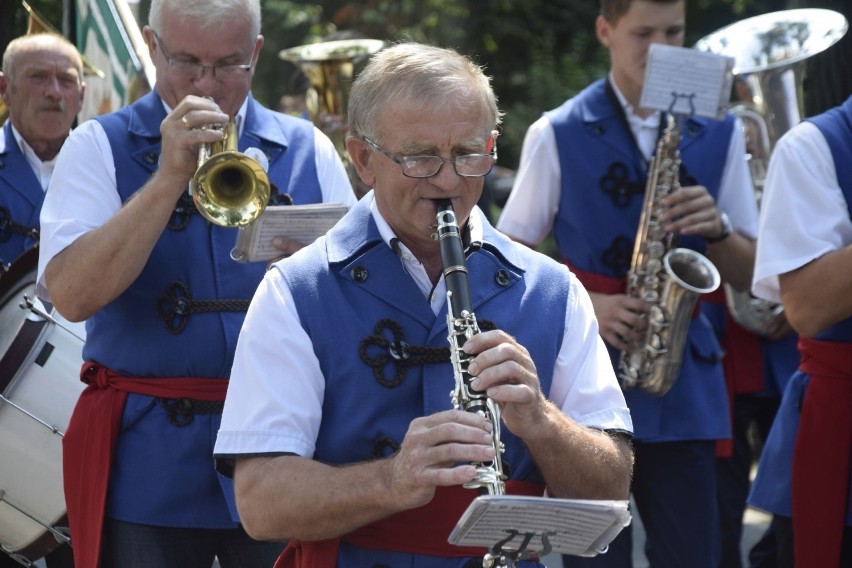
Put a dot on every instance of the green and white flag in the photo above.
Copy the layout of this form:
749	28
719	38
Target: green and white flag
109	36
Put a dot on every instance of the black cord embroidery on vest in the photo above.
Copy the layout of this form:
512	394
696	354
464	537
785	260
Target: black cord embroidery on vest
617	185
9	227
400	353
619	255
176	305
384	447
184	210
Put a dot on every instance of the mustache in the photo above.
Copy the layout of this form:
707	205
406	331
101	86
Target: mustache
52	106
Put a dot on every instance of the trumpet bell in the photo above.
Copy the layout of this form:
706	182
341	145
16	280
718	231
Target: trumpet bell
230	189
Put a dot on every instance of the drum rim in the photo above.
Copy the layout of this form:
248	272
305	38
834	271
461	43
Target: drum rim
23	264
14	357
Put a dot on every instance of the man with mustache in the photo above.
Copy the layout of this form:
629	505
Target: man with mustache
42	86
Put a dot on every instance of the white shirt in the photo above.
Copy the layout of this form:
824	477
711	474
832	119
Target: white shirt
264	415
532	206
42	170
804	214
85	195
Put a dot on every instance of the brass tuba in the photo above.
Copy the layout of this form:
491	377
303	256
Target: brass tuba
669	279
769	52
229	188
330	67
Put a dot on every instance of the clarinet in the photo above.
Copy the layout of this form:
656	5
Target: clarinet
461	325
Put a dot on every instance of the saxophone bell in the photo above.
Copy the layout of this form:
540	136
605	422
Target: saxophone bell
669	279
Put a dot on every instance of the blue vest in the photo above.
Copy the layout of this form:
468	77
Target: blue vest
344	294
354	298
771	490
602	189
21	197
163	474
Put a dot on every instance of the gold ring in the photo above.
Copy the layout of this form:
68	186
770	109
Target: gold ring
185	122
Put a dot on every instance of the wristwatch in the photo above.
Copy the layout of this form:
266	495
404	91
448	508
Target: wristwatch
726	230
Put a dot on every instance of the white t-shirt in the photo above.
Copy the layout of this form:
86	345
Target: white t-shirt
532	206
804	214
85	196
264	415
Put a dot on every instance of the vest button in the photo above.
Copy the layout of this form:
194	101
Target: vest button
502	278
151	157
359	274
399	350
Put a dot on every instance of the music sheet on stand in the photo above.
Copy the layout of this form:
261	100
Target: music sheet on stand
304	223
572	526
687	81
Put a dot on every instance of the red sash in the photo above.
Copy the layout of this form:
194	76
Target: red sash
598	283
821	454
417	531
90	440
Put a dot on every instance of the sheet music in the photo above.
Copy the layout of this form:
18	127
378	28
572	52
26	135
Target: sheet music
687	81
570	526
305	223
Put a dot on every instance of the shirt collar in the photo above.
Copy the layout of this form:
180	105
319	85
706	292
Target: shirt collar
42	168
652	121
388	236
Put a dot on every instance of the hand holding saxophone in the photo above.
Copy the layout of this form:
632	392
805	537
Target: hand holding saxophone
692	211
621	319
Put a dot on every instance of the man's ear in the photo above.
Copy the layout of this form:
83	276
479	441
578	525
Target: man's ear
362	158
4	88
602	30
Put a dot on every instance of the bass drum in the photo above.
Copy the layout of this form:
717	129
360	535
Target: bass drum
40	360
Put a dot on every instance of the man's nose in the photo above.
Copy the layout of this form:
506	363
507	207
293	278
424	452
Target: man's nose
207	83
52	88
446	178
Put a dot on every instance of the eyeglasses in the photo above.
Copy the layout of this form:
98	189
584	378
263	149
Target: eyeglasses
194	71
466	165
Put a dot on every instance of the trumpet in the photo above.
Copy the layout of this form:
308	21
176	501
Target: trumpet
229	188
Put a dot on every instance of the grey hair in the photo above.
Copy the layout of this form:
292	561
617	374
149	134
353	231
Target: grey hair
209	13
419	74
45	40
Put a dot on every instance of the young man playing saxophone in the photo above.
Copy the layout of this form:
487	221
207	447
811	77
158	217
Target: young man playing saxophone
582	177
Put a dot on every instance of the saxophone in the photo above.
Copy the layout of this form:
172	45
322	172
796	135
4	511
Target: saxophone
669	279
461	325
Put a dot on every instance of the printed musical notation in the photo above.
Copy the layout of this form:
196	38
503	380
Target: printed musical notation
541	525
304	223
687	82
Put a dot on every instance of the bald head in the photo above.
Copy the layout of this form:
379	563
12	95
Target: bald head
42	85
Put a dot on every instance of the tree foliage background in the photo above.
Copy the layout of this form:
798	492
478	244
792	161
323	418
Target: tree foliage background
539	52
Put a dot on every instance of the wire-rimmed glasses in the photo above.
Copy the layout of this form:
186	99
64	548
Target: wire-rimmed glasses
194	70
426	166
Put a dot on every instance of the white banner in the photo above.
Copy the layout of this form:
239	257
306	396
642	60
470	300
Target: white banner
109	36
